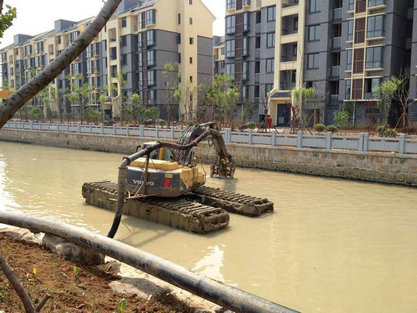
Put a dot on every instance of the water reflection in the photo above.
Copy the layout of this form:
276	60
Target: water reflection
210	265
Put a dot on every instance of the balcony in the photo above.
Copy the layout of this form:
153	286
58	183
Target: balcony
336	42
376	3
289	3
335	71
337	14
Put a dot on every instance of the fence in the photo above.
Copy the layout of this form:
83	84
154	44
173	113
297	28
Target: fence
361	143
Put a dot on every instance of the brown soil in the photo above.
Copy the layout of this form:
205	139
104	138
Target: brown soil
86	291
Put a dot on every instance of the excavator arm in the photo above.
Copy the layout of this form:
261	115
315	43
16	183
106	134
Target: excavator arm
224	165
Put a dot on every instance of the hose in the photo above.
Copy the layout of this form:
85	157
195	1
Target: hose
226	296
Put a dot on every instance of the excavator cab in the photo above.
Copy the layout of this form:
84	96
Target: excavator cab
162	154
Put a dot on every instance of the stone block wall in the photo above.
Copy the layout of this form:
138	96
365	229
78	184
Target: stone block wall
374	167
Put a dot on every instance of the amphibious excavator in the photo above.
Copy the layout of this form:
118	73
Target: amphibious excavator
163	182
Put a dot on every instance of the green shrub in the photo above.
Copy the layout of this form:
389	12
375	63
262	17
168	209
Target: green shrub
162	122
331	128
319	127
92	116
251	125
35	113
384	131
390	132
342	118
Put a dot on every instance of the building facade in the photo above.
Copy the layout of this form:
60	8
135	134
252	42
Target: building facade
343	48
128	56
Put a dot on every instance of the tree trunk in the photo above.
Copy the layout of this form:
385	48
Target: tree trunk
31	88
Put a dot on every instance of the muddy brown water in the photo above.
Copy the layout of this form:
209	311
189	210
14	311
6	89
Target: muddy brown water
331	245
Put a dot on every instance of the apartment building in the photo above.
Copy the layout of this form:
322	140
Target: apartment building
128	56
218	54
343	48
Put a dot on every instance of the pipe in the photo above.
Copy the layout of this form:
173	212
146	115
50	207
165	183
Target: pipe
226	296
122	177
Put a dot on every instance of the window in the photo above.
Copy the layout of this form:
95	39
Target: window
375	26
256	93
351	5
59	39
179	39
314	6
191	21
257	42
350	30
190	1
124	59
314	33
140	38
230	4
179	18
258	17
151	78
296	23
191	79
348	86
150	17
113	53
123	41
150	37
348	60
152	97
230	24
373	3
113	70
374	57
230	70
245	47
191	40
191	60
246	21
150	54
268	88
269	65
270	40
245	70
312	61
270	13
124	22
230	49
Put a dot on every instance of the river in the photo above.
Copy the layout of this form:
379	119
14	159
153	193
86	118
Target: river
331	245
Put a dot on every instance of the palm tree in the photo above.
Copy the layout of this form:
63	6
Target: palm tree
10	106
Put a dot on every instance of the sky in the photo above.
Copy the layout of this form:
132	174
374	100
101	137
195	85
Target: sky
38	16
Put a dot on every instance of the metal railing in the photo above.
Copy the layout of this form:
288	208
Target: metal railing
361	143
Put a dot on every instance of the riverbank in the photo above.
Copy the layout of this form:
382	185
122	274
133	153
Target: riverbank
75	287
400	169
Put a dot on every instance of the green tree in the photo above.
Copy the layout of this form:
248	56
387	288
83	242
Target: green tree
9	107
6	18
384	94
224	95
79	92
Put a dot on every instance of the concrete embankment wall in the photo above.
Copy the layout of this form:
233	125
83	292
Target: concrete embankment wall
375	167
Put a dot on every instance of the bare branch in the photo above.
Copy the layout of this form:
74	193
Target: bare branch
31	88
14	281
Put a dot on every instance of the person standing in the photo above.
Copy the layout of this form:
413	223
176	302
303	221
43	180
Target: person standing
269	120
